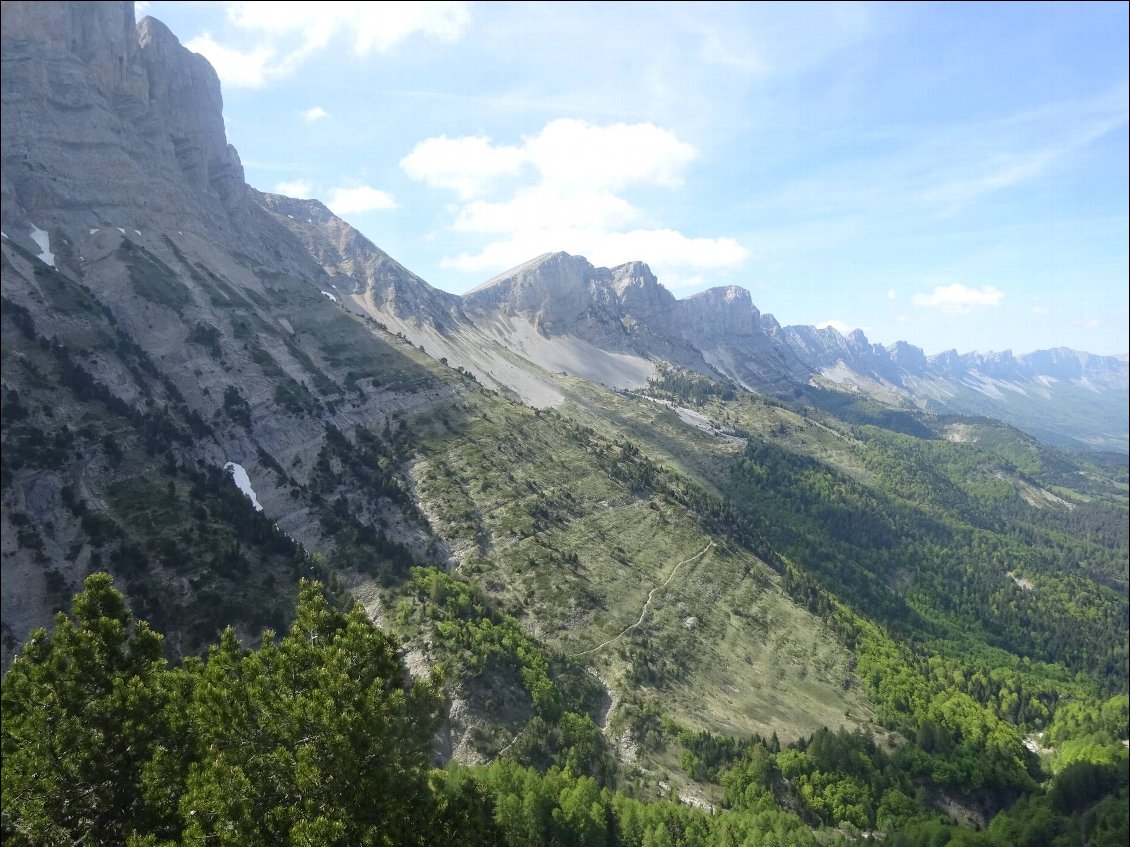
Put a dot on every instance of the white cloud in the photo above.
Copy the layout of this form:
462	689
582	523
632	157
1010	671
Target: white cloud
362	198
314	114
958	299
839	326
278	37
574	202
468	166
141	9
568	151
1088	323
238	68
892	294
299	188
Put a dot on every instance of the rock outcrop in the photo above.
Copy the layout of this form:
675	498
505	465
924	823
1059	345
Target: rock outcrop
108	123
162	319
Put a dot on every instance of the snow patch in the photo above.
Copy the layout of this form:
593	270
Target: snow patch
93	231
331	296
243	481
291	217
43	242
120	229
138	231
4	233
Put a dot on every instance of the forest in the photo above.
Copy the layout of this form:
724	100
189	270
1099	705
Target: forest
321	737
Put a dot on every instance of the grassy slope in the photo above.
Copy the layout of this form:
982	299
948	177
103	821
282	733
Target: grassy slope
548	532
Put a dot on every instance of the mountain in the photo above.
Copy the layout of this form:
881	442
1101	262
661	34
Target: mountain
562	315
1065	397
161	321
647	548
173	339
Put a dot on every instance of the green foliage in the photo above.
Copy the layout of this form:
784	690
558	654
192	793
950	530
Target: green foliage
685	386
153	279
487	639
236	407
315	738
79	707
318	738
208	337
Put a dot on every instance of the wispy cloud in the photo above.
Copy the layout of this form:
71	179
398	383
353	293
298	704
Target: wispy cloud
957	299
275	39
920	177
315	114
571	178
358	199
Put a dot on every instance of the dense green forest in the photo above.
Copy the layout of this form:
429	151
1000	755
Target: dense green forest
321	737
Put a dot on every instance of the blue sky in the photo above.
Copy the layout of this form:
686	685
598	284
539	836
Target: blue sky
954	175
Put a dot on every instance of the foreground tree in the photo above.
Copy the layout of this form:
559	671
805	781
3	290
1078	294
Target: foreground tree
82	710
315	739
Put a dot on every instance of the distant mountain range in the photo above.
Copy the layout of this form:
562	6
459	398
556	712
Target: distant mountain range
151	154
211	392
613	325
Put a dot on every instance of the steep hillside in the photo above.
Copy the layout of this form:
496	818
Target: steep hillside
149	354
643	546
159	324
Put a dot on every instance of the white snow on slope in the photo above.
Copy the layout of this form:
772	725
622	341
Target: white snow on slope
331	296
239	475
43	241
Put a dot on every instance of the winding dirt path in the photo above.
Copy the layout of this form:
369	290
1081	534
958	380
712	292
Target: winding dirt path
613	699
650	595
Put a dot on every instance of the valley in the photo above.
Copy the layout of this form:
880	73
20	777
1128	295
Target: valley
300	549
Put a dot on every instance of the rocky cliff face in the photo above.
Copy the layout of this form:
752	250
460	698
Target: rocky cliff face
160	320
111	124
719	311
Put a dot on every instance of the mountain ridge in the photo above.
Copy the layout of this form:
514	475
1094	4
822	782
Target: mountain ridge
612	324
794	603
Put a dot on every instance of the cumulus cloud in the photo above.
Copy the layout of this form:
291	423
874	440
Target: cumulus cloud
958	299
361	198
565	192
314	114
237	68
468	166
299	188
276	38
892	294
